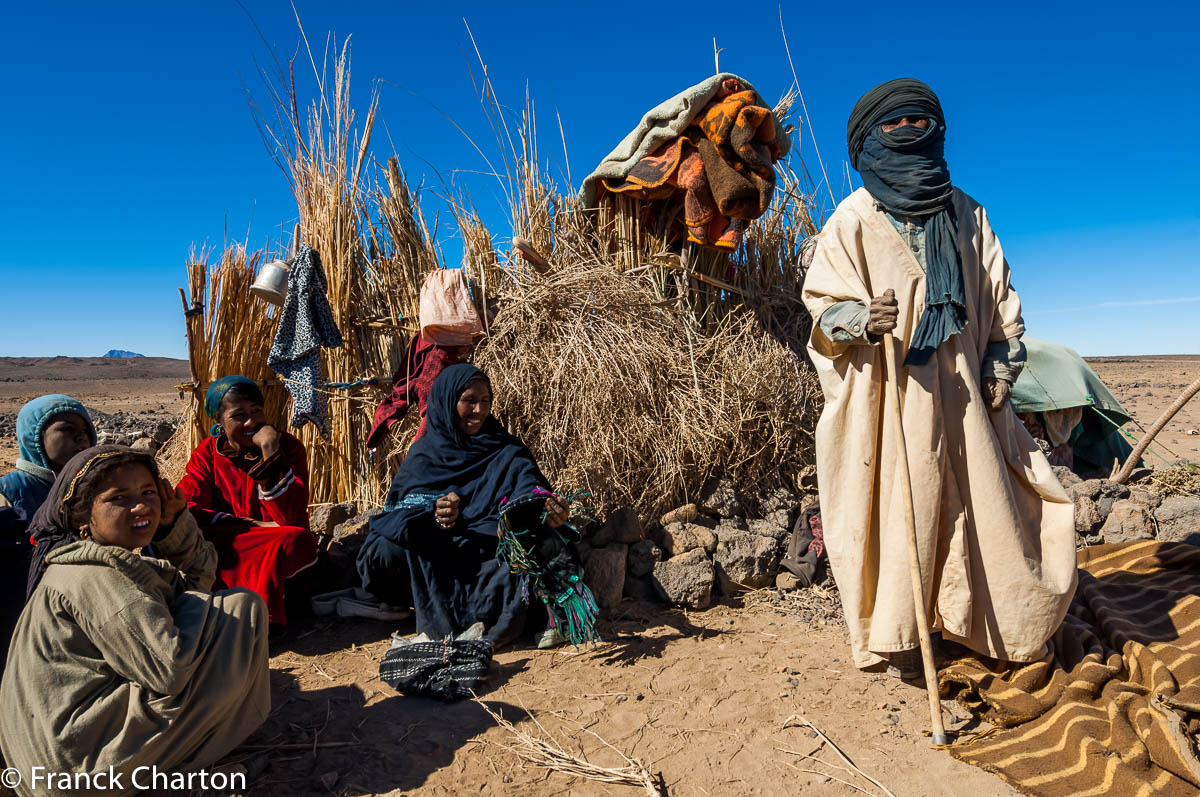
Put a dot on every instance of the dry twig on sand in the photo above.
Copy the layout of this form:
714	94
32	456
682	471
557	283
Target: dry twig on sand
545	752
817	606
797	720
1179	479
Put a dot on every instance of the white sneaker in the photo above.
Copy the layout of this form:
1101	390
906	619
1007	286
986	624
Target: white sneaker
352	607
326	605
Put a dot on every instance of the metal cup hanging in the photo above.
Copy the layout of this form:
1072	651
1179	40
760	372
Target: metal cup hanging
272	282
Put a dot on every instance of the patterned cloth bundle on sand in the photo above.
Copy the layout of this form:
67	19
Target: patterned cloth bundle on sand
712	146
1114	707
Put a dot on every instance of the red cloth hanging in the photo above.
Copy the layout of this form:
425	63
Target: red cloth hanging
413	380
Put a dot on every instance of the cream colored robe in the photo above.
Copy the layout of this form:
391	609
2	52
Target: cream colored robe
996	531
127	661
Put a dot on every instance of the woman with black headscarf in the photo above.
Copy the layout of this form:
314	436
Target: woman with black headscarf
437	538
123	659
911	254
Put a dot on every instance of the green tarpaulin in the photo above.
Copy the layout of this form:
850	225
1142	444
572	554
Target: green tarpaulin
1057	378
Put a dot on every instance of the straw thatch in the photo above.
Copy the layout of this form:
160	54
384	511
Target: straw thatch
631	370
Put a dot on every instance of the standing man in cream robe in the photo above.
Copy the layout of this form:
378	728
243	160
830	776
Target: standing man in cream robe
912	255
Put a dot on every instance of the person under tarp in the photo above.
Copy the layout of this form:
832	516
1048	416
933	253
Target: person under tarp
912	255
247	485
1062	401
437	537
122	659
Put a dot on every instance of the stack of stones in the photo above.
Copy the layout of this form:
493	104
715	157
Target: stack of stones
143	431
341	531
694	552
1109	512
690	556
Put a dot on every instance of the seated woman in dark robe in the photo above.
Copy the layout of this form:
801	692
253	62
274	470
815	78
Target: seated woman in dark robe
437	537
247	485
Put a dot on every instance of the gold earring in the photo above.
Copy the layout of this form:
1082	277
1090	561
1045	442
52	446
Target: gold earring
84	534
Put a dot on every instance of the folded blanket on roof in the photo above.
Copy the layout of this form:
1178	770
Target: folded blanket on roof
739	133
305	325
666	121
1114	705
742	129
722	166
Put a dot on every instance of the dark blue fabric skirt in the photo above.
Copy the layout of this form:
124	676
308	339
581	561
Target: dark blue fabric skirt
452	577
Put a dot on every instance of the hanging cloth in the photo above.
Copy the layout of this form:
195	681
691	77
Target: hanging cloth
305	325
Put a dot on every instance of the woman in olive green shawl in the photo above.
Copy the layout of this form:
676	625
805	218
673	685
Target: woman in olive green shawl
122	659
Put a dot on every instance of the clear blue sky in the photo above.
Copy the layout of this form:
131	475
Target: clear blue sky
127	136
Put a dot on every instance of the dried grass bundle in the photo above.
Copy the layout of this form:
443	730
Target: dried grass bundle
375	250
637	372
634	401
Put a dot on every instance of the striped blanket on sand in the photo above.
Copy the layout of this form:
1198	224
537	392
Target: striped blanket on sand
1114	707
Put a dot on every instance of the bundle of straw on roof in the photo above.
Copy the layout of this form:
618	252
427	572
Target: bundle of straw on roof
635	401
635	369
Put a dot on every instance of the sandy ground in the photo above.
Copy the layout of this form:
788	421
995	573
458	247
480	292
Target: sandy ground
713	701
1146	386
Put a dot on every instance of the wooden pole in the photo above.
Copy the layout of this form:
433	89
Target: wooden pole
187	328
892	377
1136	456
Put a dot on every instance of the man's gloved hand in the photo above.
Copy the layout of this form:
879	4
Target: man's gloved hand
883	313
997	392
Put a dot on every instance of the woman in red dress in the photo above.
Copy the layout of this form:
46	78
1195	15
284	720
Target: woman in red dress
247	485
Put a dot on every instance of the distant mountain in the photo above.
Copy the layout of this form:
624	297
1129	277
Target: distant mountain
122	353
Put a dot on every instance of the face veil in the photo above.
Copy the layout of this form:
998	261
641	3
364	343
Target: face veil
905	170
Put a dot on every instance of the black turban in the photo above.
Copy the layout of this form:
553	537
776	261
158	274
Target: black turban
905	170
905	96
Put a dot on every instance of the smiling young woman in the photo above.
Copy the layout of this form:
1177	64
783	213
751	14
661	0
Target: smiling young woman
436	541
123	659
247	485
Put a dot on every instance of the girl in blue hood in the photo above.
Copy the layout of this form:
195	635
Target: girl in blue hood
50	430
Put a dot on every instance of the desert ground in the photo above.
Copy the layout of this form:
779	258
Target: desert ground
717	702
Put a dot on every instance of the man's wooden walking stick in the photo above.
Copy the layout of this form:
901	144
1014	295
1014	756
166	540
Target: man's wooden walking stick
892	376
